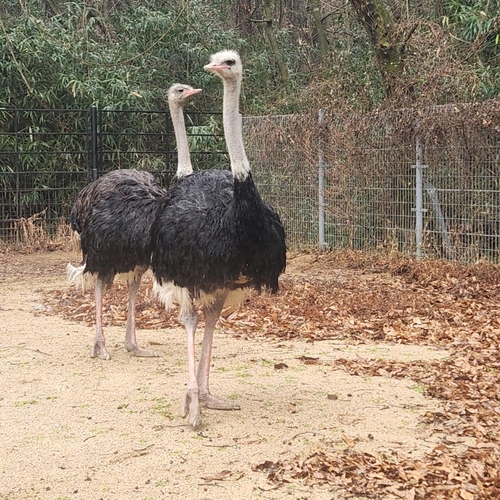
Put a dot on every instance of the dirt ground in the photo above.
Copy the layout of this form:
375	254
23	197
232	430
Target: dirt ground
72	427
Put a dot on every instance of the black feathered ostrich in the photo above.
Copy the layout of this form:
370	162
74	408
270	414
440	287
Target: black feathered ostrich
112	219
214	237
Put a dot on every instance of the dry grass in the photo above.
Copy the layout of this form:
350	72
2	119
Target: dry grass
31	235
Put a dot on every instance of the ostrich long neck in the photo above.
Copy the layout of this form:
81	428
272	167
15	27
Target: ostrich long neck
233	132
184	166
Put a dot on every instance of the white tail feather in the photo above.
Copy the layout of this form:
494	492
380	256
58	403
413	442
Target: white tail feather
170	295
76	276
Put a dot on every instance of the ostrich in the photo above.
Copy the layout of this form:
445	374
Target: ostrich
111	220
214	238
178	95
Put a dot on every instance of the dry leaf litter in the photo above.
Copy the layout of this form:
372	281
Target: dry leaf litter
374	299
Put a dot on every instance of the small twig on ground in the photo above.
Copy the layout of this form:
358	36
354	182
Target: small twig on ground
139	450
131	454
25	348
212	484
307	432
248	440
271	489
219	445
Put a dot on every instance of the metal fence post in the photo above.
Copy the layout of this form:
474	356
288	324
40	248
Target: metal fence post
321	183
94	144
419	198
17	164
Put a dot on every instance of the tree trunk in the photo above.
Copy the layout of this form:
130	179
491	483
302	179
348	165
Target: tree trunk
273	43
320	29
378	21
242	14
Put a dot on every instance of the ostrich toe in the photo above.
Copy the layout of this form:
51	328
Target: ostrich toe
214	403
139	351
191	408
99	351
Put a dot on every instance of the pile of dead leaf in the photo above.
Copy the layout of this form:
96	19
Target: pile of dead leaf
321	302
468	384
456	307
440	475
75	305
362	298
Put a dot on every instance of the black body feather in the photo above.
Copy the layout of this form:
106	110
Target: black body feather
213	231
113	216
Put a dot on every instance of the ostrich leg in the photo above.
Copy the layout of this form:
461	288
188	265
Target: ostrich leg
130	335
191	406
99	348
212	314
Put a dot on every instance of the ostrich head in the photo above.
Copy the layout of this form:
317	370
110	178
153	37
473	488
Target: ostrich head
178	93
225	64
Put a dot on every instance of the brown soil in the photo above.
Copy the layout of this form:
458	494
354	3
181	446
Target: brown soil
348	361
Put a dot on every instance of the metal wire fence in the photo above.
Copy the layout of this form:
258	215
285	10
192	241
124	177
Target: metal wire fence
47	156
334	196
286	174
424	183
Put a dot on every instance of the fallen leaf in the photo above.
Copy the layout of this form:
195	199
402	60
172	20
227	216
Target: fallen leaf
280	366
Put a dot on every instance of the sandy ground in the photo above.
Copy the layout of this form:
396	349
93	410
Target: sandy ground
72	427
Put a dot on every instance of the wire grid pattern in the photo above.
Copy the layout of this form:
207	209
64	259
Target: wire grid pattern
35	174
145	140
368	176
285	174
46	157
462	193
364	207
369	186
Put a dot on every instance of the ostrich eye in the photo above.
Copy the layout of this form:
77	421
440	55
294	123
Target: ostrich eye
230	62
180	91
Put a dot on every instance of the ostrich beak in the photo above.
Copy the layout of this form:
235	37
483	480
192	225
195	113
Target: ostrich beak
192	92
215	67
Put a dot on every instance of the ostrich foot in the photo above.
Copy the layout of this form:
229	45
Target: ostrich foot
99	351
191	408
214	403
139	351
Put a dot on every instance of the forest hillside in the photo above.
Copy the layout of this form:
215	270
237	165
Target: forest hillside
354	54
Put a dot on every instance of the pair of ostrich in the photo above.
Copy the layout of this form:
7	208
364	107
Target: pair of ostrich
208	238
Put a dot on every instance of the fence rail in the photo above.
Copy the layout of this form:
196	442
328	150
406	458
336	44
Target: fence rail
426	184
47	156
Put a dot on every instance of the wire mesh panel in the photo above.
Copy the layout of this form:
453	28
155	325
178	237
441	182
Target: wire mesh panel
369	189
362	169
47	156
133	139
145	140
283	157
43	162
368	186
462	186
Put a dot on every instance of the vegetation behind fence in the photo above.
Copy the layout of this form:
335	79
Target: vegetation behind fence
47	156
339	181
369	179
